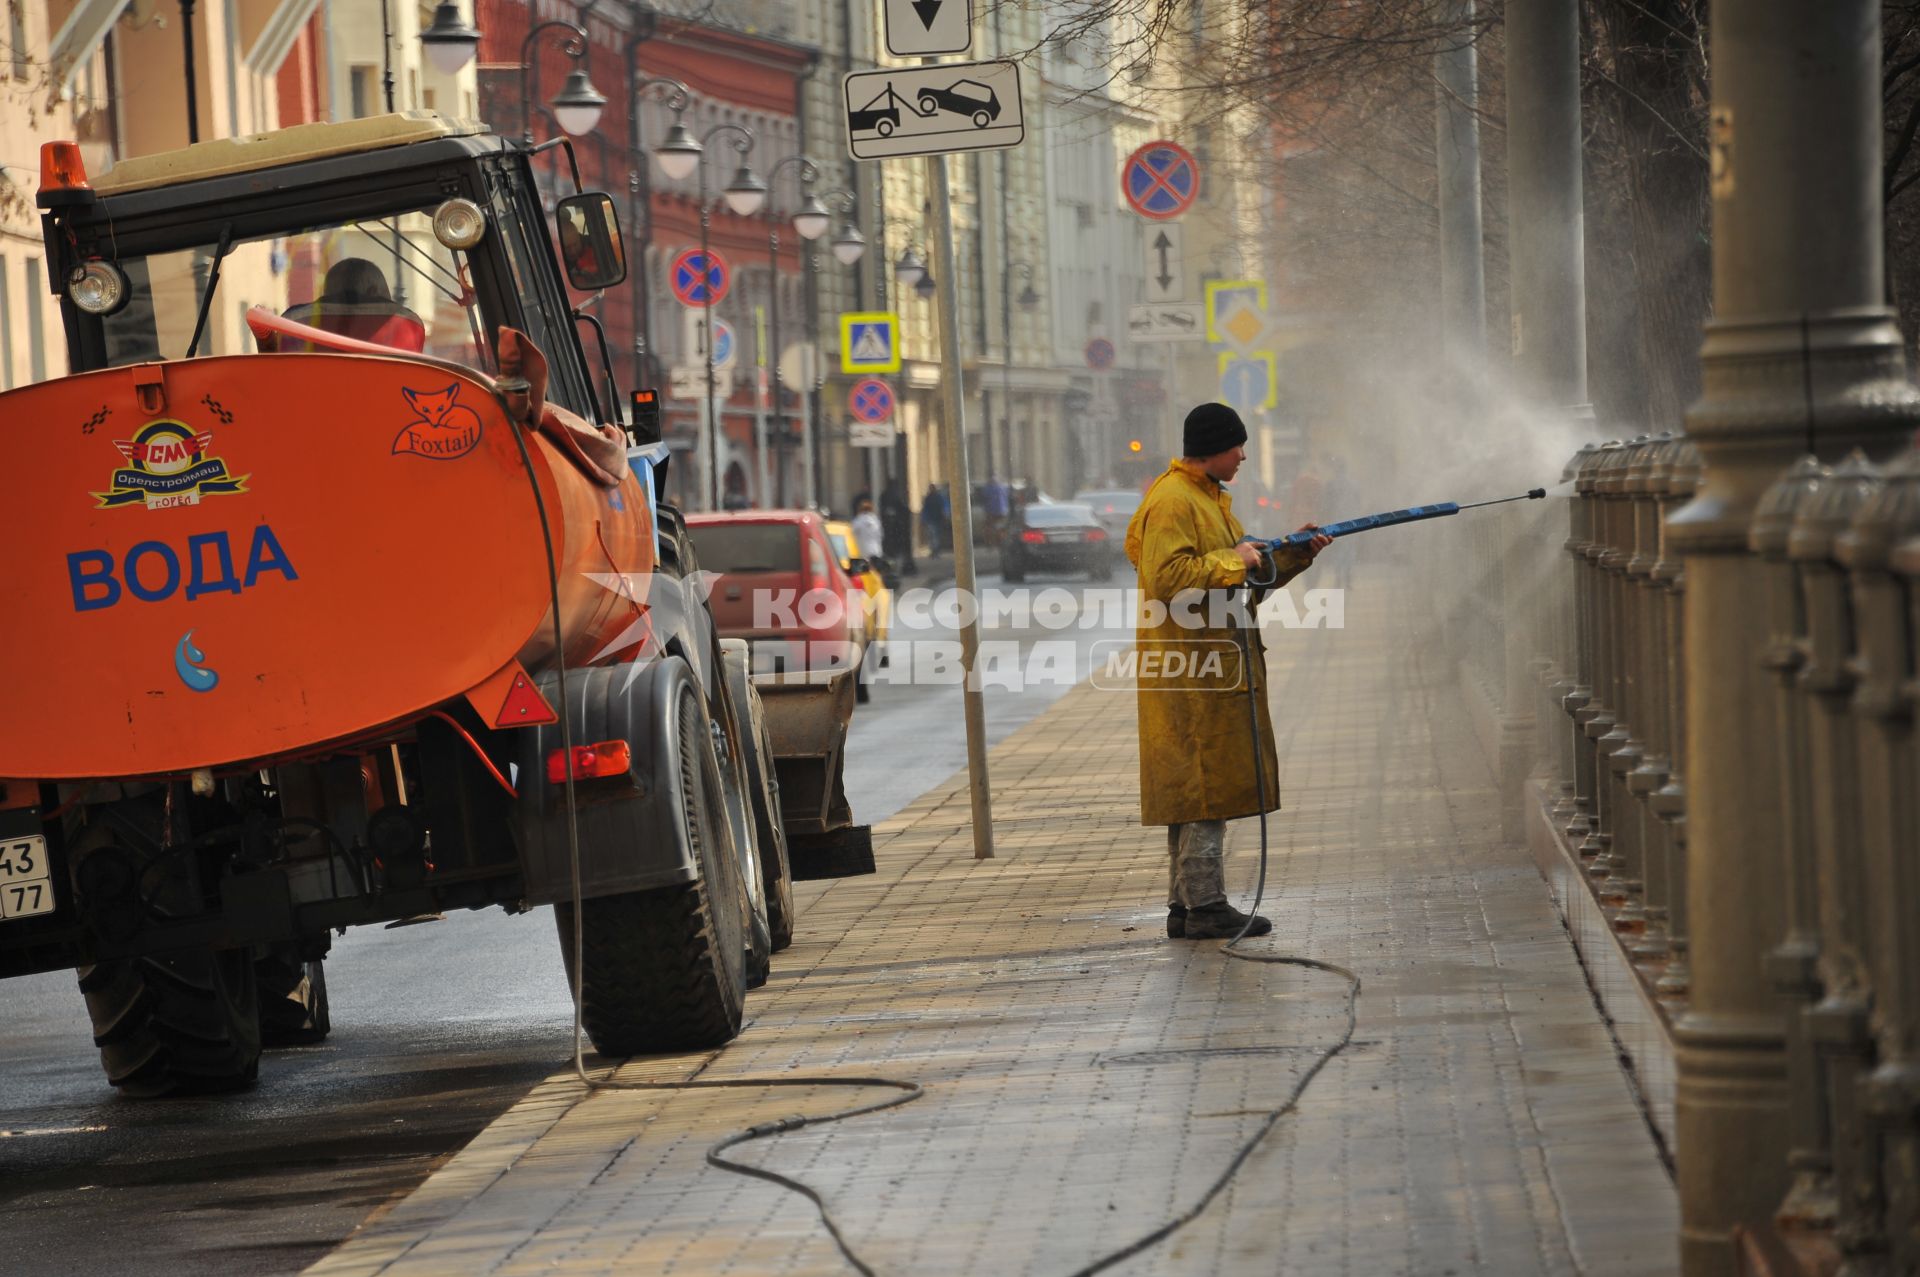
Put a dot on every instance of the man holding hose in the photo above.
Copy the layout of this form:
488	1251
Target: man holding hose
1198	758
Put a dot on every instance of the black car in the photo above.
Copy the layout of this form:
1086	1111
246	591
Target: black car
1062	537
963	97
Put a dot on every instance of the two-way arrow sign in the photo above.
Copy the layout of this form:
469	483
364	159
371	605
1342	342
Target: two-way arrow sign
1166	266
923	28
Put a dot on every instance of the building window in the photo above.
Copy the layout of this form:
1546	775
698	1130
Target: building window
6	328
362	88
36	332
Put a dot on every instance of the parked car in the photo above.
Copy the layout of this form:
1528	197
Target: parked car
1114	508
864	567
1061	537
757	555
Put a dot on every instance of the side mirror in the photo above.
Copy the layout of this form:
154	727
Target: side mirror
590	246
858	567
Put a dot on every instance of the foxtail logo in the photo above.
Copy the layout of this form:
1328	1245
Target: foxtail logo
442	427
186	658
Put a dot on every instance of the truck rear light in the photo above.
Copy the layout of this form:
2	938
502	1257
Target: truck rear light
591	762
19	793
1033	536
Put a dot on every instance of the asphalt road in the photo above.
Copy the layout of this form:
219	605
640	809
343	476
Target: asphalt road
437	1029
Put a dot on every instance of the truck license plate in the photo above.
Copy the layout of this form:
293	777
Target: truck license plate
26	879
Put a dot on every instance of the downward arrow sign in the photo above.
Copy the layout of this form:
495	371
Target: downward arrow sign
928	11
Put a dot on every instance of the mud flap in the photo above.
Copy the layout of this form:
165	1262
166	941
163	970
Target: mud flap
629	841
807	716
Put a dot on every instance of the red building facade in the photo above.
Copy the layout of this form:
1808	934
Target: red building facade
733	81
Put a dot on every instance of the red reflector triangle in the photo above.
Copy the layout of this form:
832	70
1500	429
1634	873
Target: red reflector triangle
524	706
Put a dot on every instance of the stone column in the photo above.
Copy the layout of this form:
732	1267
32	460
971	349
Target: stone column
1802	350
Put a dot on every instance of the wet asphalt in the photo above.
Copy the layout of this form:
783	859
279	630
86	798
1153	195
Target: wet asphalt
437	1029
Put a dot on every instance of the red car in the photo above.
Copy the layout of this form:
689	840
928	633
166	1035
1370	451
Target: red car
782	588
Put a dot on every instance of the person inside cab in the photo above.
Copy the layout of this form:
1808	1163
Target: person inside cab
354	302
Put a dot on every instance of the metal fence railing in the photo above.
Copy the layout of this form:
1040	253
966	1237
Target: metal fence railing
1837	550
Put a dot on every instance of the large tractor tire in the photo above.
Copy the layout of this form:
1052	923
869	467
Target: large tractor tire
665	969
293	997
770	831
183	1023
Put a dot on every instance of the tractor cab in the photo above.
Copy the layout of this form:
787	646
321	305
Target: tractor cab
408	231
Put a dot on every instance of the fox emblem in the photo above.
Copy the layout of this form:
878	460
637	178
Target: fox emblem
442	427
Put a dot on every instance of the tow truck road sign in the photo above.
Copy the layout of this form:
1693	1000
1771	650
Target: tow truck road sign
869	434
930	110
691	383
1169	321
922	28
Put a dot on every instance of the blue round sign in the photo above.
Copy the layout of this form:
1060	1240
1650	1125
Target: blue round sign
699	278
722	343
1099	353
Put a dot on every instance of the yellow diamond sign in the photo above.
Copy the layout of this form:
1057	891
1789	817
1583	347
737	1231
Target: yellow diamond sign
1243	327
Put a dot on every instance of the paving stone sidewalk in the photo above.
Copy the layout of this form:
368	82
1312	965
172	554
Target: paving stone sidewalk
1479	1122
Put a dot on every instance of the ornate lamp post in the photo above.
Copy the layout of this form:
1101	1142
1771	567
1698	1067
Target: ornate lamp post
577	107
679	156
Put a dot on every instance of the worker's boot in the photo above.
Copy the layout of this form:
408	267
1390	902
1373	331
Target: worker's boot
1219	922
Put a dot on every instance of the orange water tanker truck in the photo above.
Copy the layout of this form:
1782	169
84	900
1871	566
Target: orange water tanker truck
334	602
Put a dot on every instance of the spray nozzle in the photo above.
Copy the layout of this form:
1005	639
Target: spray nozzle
1534	494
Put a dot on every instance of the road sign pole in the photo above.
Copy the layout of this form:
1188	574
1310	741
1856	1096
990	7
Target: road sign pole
961	488
762	472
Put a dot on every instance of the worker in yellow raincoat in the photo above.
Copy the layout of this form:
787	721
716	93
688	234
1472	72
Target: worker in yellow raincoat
1197	753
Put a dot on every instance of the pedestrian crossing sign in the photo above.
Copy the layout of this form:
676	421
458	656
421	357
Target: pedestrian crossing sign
869	342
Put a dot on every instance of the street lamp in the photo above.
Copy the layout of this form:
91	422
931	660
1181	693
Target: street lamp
849	246
810	222
679	154
910	269
577	107
450	42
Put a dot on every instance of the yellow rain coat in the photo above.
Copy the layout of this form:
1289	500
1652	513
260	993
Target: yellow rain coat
1196	756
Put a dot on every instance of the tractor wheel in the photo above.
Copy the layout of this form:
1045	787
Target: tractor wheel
770	830
293	997
185	1024
665	969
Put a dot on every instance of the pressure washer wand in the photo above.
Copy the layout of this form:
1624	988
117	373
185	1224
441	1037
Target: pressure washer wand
1412	514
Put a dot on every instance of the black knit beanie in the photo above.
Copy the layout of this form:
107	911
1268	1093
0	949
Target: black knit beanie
1212	428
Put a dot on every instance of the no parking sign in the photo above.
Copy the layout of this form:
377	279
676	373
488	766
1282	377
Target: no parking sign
871	401
699	278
